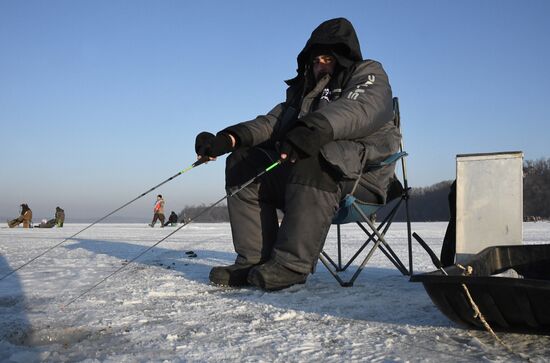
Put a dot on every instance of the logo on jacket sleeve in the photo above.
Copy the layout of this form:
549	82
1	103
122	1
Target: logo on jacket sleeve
325	95
353	95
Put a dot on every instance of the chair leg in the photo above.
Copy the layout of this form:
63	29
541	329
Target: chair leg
339	247
376	245
325	255
384	226
409	236
371	238
406	197
390	254
378	237
334	274
393	258
360	268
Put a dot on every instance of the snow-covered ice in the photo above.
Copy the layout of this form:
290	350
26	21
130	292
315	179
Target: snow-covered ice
162	307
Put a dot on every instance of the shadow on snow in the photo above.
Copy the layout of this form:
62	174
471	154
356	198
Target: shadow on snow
379	294
15	327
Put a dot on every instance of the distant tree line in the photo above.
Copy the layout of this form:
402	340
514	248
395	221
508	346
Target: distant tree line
431	203
216	214
536	189
426	204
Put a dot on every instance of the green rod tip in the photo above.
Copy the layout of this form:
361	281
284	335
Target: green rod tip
273	165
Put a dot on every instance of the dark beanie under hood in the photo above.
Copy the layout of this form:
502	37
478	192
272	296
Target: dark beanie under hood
339	35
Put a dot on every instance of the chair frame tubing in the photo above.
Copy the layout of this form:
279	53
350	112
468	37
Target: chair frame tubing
376	236
391	254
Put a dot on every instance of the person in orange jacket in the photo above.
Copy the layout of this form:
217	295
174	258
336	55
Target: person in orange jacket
158	211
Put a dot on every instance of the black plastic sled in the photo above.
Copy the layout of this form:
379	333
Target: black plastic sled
517	301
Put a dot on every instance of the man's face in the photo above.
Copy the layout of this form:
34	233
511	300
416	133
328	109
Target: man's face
322	65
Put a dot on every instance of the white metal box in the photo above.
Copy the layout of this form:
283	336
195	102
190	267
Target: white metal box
489	201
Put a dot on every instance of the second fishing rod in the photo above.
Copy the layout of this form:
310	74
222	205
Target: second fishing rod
205	210
202	160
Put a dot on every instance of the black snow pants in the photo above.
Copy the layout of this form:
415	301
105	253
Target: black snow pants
308	192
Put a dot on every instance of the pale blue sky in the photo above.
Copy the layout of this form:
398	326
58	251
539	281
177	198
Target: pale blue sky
100	100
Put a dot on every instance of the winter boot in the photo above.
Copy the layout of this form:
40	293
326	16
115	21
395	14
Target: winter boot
233	275
273	276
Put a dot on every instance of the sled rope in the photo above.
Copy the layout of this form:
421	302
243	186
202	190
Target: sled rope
467	271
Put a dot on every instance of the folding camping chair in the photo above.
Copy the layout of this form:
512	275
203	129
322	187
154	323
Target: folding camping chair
353	210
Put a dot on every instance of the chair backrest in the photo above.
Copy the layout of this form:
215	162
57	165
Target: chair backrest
397	123
489	201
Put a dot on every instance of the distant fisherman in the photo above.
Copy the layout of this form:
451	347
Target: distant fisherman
25	217
58	220
59	216
172	219
158	211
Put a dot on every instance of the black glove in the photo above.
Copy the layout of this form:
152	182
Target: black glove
206	144
294	143
305	140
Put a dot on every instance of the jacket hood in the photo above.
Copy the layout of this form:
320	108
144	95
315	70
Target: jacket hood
340	36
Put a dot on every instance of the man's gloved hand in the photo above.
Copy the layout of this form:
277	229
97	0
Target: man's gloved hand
295	141
305	140
206	144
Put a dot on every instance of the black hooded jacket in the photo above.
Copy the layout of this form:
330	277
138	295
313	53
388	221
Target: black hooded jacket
355	104
337	35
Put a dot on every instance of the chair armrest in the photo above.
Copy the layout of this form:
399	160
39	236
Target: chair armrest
388	161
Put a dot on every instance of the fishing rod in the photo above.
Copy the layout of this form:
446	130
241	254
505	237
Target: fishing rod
230	194
195	164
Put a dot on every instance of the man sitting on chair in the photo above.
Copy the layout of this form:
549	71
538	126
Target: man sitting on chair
337	118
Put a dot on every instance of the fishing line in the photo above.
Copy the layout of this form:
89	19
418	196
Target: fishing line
195	164
230	194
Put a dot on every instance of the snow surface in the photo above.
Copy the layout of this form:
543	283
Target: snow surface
162	307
